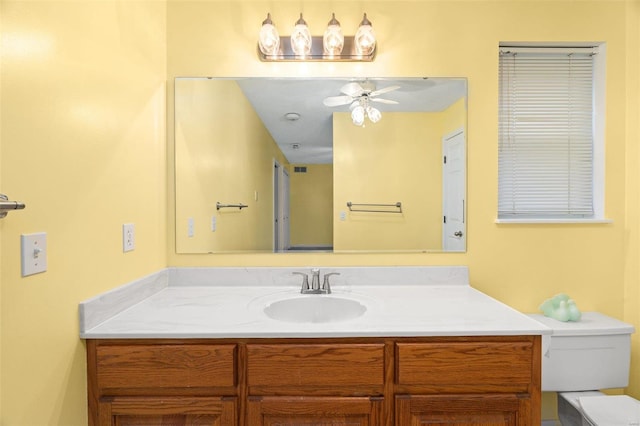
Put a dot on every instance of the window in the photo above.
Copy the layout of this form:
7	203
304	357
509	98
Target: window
551	159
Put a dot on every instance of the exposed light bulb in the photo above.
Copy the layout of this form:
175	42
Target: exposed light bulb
333	39
269	40
301	38
373	114
365	38
357	115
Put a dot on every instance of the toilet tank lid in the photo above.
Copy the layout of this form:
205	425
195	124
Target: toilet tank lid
591	324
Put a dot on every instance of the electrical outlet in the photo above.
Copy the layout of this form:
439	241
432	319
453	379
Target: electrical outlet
33	253
128	237
213	224
190	228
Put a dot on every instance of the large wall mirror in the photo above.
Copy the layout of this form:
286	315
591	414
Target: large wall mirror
320	164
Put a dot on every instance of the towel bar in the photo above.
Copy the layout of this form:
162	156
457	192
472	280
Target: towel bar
397	205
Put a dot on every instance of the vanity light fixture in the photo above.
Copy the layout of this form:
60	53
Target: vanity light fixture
269	40
365	38
302	46
333	39
301	38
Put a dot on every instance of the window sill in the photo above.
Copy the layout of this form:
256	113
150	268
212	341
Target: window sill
553	221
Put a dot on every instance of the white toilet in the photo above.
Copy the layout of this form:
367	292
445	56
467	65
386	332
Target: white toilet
579	359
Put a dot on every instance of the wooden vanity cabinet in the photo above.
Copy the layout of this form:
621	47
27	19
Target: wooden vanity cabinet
315	384
162	382
479	381
468	381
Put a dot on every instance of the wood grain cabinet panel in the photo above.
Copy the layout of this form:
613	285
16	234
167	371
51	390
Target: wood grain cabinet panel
503	366
315	365
463	410
311	411
155	366
395	381
168	411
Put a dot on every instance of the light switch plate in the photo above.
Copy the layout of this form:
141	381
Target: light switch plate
33	259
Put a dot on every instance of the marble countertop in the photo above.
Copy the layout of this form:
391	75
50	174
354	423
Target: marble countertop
202	303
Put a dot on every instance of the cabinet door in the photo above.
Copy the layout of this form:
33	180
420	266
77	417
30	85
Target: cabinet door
463	410
168	411
314	411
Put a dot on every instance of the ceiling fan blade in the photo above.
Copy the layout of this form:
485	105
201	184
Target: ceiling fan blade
384	101
332	101
352	89
384	90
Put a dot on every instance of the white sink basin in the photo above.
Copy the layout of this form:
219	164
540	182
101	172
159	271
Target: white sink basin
315	308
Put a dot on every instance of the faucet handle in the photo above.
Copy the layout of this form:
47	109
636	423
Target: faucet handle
325	284
305	281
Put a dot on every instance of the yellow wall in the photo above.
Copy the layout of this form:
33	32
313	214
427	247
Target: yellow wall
83	144
311	213
397	159
520	265
1	227
454	117
223	154
632	194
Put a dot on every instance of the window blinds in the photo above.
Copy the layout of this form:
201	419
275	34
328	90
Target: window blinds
545	161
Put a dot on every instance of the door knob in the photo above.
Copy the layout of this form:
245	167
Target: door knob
458	233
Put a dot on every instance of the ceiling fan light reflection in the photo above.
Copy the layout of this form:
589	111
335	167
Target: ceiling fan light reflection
357	115
269	39
365	38
374	114
333	39
301	38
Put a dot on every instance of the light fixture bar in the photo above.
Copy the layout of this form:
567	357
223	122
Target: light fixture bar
317	52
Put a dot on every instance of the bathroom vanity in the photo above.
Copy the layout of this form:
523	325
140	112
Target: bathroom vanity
187	347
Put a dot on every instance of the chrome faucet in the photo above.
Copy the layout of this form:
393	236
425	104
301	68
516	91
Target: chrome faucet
325	284
315	279
315	288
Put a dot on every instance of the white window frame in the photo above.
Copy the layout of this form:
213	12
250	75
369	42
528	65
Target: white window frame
598	123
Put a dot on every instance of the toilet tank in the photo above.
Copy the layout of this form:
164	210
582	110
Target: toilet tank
590	354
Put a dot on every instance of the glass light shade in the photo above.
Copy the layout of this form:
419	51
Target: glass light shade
374	114
357	115
269	40
333	39
365	38
301	38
